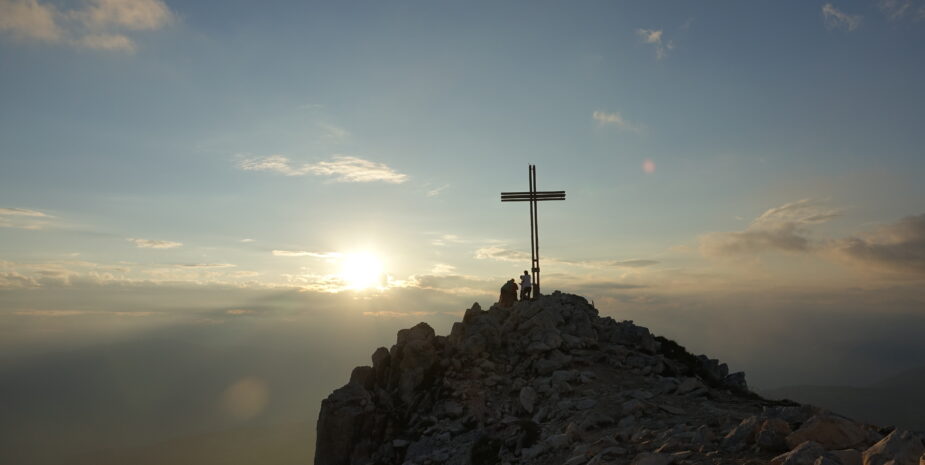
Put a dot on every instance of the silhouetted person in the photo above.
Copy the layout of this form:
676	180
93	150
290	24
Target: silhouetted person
526	285
508	294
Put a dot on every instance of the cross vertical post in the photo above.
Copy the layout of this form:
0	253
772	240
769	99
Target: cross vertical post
533	196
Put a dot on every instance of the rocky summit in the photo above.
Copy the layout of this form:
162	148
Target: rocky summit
549	381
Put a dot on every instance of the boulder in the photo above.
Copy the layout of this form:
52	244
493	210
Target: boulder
527	398
742	435
899	448
848	456
803	454
772	434
830	431
650	458
689	385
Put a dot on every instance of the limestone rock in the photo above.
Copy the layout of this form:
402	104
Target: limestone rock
527	398
847	456
832	432
772	435
742	435
803	454
899	448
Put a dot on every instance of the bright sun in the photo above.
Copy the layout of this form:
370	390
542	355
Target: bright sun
361	270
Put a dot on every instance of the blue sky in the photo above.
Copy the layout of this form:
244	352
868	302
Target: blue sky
714	153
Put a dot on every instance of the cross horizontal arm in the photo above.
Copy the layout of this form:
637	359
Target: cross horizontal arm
535	193
545	195
541	199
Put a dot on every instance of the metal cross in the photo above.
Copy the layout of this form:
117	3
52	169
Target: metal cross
533	196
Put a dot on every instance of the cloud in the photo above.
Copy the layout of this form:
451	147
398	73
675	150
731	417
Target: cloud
342	167
21	212
836	19
617	120
22	218
780	228
12	279
303	253
97	24
113	42
154	244
389	314
899	9
29	20
898	247
68	313
501	254
137	15
654	37
436	191
442	269
334	132
455	284
445	239
247	239
239	311
206	265
634	263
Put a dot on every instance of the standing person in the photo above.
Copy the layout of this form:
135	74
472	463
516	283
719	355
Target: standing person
525	286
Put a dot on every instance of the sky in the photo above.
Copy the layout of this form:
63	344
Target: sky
745	177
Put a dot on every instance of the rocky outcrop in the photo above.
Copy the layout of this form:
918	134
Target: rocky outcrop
552	382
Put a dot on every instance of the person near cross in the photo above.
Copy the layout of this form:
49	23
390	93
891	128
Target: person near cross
508	294
525	286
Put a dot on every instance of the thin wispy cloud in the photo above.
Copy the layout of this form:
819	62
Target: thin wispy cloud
436	191
442	269
447	239
206	265
638	263
654	37
342	168
95	24
837	19
334	132
239	311
23	218
616	120
303	253
21	212
501	254
154	244
390	314
898	9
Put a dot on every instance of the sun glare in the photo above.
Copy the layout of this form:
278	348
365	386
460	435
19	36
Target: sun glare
361	270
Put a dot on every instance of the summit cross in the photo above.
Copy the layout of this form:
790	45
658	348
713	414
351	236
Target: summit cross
533	196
